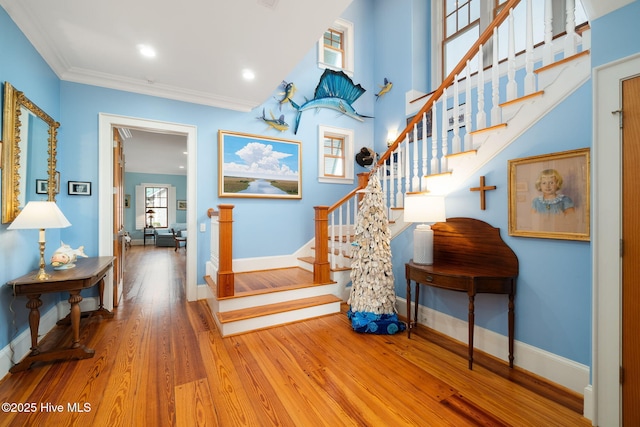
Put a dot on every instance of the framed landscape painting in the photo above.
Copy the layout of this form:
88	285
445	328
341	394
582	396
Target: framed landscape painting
549	196
258	166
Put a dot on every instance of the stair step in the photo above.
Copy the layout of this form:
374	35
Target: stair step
311	260
281	307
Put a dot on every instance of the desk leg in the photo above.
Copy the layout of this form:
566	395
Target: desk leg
33	305
74	300
472	318
511	328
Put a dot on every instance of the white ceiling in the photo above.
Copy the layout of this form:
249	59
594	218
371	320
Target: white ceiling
202	45
158	153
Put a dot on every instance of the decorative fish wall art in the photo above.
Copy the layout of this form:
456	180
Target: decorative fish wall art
277	124
287	95
384	88
335	91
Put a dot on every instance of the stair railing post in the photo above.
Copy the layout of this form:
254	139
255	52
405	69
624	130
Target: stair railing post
321	266
225	277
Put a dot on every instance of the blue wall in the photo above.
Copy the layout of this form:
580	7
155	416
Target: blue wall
553	302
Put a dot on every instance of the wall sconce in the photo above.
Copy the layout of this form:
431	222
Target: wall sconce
426	209
391	137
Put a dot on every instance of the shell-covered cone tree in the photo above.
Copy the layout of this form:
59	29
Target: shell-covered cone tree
372	299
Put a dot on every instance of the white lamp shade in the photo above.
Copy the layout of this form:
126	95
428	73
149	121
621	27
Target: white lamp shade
39	215
424	208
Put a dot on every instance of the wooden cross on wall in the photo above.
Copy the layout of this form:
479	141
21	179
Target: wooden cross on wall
483	189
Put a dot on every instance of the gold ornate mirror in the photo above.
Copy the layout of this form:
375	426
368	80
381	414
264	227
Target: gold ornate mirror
28	153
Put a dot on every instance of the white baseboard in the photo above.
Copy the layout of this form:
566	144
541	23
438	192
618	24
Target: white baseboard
562	371
21	344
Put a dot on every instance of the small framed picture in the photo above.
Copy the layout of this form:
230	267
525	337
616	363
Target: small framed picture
42	186
182	205
127	200
79	188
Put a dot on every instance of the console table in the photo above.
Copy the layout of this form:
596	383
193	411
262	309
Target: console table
469	256
87	273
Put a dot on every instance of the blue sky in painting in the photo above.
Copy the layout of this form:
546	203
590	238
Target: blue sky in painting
255	157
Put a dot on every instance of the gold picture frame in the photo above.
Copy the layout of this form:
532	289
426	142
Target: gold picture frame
258	166
549	196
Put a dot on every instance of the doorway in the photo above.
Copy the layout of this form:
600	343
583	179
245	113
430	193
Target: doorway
607	235
107	123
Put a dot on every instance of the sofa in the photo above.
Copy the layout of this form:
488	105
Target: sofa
164	237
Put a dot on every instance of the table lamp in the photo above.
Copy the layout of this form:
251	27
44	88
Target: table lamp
40	215
150	213
425	209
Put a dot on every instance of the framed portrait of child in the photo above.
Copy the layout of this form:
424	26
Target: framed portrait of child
549	195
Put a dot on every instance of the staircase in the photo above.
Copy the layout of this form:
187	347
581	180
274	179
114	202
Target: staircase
443	157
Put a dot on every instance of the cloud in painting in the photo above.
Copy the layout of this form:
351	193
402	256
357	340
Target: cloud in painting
260	161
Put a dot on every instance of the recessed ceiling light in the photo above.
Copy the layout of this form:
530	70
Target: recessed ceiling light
181	167
146	51
247	74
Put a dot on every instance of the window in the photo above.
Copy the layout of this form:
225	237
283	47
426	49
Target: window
335	155
158	197
156	206
461	23
335	48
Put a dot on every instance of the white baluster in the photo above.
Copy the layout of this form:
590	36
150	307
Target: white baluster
424	171
455	142
481	117
467	110
382	174
435	141
444	167
571	40
399	166
547	53
529	79
340	239
415	181
393	171
512	86
407	167
332	245
496	116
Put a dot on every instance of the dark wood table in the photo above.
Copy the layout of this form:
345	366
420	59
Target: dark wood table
469	256
87	273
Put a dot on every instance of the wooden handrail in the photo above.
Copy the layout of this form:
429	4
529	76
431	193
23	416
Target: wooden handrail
484	37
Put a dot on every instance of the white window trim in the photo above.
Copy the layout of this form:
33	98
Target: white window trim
141	218
346	28
348	135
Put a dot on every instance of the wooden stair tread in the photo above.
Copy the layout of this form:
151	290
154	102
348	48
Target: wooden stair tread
264	310
311	260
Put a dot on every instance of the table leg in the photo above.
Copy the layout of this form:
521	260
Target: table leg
74	300
472	318
101	310
33	305
511	328
416	305
408	308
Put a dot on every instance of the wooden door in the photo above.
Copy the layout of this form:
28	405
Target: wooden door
118	216
631	252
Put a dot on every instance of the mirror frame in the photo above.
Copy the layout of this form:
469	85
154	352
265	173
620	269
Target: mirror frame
13	101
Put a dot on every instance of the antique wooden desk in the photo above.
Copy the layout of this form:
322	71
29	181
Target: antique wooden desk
469	256
87	273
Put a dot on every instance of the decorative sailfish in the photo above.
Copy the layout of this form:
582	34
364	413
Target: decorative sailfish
336	91
277	124
384	89
287	95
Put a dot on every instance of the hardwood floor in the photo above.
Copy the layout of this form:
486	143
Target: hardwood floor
161	362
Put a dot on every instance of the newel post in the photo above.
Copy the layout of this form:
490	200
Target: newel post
225	277
321	266
363	181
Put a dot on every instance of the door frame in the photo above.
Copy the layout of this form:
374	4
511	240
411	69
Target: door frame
607	232
106	122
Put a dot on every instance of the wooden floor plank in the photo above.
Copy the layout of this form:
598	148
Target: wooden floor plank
318	372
